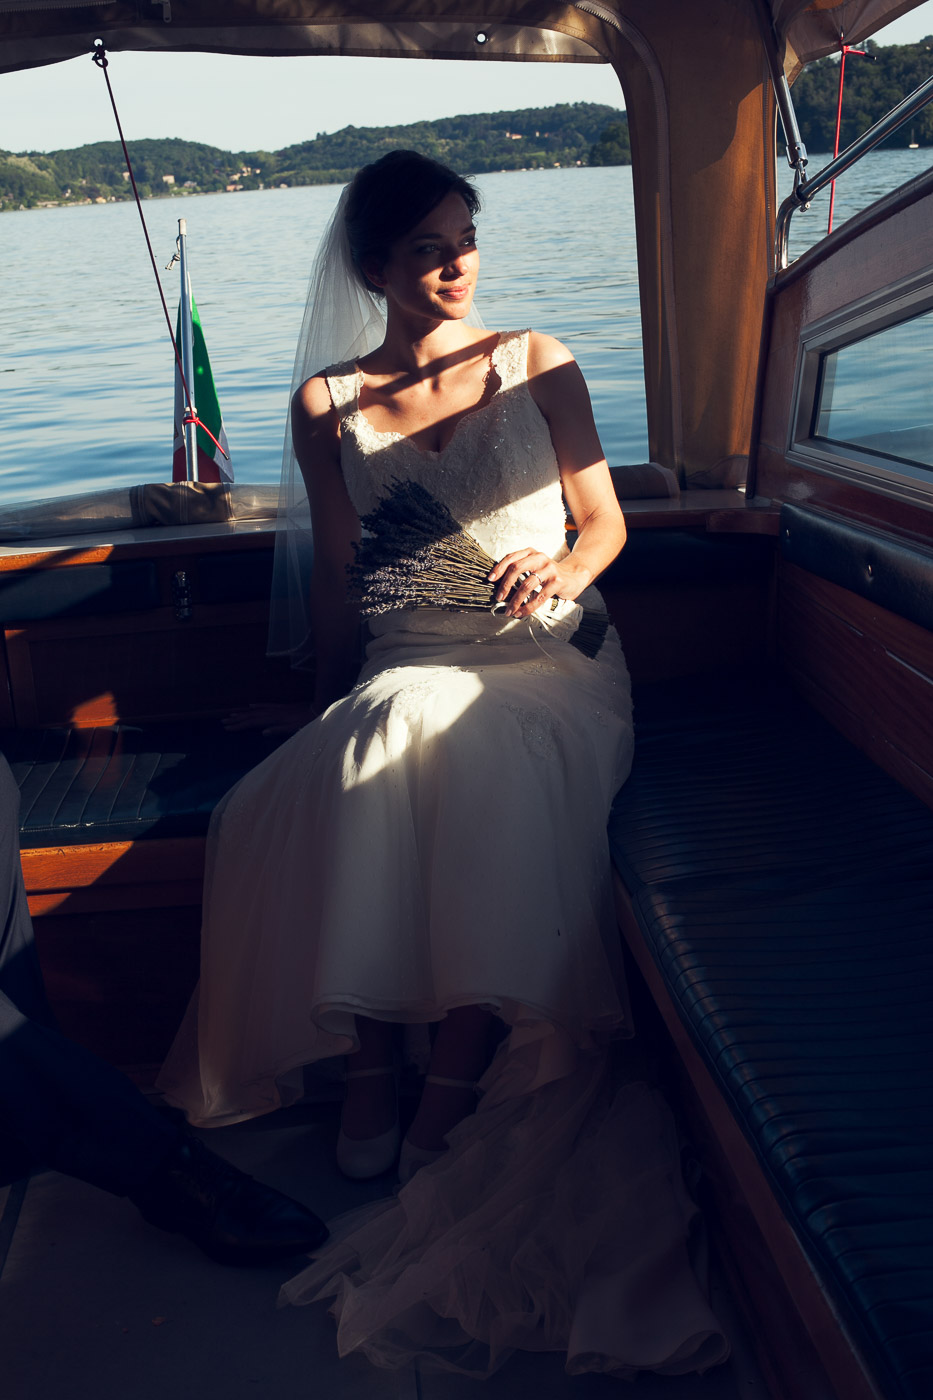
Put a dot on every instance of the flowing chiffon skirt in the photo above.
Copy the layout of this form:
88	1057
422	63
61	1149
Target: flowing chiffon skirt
435	839
438	839
557	1221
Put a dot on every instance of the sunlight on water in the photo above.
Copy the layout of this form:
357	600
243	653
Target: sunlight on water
86	366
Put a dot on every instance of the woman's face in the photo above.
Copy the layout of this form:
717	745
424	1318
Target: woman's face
432	270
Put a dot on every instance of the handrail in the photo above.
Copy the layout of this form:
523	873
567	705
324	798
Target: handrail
804	190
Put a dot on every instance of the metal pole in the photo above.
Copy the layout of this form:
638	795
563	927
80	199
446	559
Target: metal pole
187	352
793	141
804	192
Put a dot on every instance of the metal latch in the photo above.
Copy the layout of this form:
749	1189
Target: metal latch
181	595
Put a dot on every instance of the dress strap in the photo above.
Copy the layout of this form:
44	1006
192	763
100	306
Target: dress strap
510	358
343	383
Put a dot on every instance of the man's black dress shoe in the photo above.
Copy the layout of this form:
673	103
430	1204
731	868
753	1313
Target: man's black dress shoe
232	1217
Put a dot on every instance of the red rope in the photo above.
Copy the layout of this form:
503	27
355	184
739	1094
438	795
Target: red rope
845	49
100	58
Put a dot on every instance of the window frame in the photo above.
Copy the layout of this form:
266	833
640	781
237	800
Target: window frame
876	311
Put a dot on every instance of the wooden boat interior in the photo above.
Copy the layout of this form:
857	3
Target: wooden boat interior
774	847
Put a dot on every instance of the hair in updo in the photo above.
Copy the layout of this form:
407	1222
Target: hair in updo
391	196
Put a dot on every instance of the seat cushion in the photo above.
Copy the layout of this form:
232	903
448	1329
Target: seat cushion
124	783
811	1008
784	887
739	779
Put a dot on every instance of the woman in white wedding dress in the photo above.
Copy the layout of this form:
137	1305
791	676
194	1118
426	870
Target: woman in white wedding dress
431	849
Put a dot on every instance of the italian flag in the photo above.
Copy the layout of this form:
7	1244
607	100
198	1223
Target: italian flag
212	465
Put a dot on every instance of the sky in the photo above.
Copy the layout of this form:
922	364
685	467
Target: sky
243	104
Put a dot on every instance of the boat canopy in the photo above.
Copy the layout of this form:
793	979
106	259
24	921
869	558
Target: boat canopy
45	31
701	112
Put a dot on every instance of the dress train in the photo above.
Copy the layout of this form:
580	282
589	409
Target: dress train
557	1221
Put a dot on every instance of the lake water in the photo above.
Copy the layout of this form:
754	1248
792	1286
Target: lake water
86	370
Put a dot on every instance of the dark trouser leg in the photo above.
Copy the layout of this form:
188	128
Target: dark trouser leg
60	1106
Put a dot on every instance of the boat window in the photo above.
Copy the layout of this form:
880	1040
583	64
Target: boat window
878	393
864	392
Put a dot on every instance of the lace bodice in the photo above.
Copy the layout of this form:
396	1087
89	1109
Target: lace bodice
498	475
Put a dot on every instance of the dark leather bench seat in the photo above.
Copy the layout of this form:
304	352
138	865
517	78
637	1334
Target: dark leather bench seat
784	888
83	786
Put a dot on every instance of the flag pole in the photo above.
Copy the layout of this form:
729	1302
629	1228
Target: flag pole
187	353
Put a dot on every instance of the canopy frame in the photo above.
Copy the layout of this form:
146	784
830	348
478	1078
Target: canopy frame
804	190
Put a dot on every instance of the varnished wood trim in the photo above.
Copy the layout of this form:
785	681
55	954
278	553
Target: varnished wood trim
158	544
834	1368
869	671
787	481
861	732
753	520
64	868
901	638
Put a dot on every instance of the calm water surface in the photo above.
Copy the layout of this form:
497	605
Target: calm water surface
85	366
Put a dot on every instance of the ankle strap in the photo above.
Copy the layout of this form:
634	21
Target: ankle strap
368	1073
449	1083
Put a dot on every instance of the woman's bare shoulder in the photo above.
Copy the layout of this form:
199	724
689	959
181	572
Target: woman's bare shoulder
312	398
545	352
315	424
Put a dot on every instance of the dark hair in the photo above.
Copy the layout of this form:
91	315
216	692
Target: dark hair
392	196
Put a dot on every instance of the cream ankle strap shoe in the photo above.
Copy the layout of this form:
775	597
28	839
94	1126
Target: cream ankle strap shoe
412	1159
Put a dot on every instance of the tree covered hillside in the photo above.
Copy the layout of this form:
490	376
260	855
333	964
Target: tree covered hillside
873	86
535	138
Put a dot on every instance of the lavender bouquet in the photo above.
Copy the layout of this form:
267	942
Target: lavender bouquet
418	556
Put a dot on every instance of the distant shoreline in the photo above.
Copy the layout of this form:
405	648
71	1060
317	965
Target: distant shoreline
259	189
568	134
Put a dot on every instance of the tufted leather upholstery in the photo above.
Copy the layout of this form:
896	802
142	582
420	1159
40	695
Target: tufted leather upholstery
785	889
895	575
123	783
743	783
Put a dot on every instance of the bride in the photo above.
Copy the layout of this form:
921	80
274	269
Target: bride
431	849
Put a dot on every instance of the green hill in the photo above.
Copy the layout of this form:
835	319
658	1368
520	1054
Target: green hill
534	138
873	85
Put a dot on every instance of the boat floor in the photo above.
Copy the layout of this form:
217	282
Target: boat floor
95	1303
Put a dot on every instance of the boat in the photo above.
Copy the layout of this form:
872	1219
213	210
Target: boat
773	848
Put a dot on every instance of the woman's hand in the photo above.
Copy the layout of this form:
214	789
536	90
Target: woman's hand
529	579
273	720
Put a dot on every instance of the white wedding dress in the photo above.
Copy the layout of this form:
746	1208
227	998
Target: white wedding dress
436	839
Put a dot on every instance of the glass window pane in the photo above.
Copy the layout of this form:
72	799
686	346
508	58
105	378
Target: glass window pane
877	393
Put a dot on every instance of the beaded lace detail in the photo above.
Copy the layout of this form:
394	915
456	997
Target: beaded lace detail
498	475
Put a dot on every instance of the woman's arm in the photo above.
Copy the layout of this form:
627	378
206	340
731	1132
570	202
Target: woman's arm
335	622
559	390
